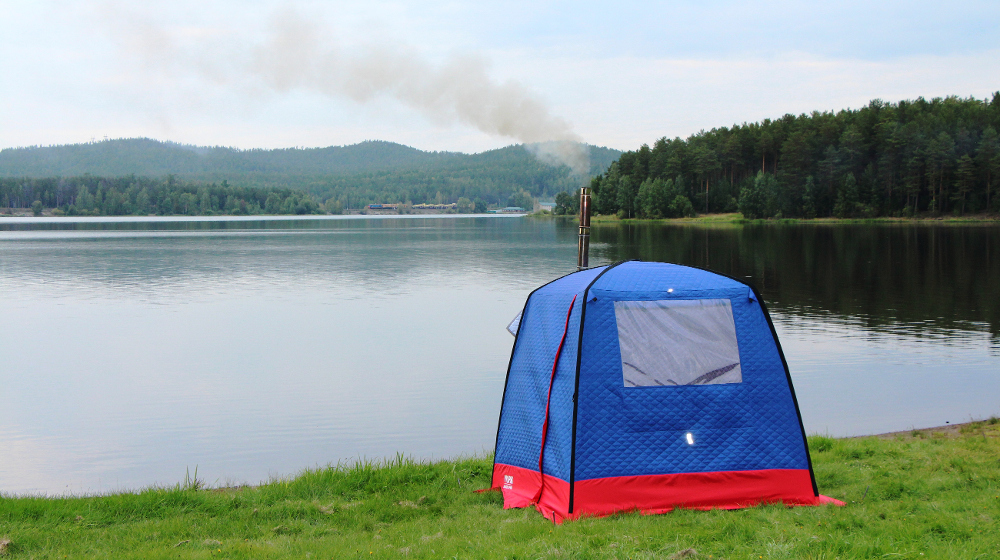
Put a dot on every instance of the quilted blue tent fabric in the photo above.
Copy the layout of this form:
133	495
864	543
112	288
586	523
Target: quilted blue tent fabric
543	323
629	431
625	431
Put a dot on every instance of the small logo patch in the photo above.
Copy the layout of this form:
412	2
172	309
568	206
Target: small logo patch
508	482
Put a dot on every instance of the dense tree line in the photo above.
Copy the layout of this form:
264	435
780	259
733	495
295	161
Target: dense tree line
490	183
504	177
885	159
341	176
121	196
152	158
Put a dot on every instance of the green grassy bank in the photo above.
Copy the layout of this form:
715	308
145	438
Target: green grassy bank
930	494
736	218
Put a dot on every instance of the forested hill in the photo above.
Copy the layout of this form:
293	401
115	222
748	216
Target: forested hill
151	158
885	159
341	177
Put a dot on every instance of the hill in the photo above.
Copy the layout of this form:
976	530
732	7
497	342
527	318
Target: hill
373	171
344	176
152	158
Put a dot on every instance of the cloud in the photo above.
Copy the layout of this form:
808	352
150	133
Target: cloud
621	75
672	96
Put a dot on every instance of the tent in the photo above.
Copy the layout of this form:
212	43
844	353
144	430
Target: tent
648	386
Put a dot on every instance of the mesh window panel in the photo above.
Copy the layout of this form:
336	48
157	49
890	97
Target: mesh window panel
677	342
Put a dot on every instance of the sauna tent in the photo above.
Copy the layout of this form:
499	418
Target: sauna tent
648	386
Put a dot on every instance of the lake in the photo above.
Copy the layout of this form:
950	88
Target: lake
134	350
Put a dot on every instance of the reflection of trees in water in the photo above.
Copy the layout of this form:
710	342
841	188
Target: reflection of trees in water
938	276
377	256
886	276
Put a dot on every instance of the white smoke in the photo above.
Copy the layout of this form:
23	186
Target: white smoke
571	153
298	54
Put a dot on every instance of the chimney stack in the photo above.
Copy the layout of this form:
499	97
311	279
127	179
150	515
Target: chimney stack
584	248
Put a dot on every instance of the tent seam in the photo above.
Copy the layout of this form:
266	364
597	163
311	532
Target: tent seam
510	362
548	400
576	386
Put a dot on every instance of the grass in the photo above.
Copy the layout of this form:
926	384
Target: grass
918	495
719	219
736	218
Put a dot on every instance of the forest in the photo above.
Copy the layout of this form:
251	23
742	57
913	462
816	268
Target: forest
504	177
908	158
101	196
341	178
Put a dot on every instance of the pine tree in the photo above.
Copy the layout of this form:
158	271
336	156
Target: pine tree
988	158
965	176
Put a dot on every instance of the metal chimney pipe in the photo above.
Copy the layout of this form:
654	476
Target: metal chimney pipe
583	253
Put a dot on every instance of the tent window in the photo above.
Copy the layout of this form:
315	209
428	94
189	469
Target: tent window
677	342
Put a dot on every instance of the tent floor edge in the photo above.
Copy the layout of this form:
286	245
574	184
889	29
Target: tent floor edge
700	490
658	493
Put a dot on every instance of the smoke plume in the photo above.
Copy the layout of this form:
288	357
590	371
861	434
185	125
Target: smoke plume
298	54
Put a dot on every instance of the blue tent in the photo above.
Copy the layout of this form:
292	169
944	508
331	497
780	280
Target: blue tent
648	386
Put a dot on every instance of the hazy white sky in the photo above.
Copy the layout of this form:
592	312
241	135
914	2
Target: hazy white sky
444	75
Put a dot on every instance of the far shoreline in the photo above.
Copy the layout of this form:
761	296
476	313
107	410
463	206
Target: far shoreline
29	218
948	430
715	219
735	218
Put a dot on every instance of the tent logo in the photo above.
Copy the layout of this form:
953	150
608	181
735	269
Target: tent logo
508	482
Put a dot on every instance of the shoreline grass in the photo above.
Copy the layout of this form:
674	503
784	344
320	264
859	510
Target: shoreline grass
921	494
737	219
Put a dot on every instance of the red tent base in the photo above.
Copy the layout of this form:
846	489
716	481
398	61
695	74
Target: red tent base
654	494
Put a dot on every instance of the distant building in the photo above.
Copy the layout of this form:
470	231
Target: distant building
435	206
550	206
511	210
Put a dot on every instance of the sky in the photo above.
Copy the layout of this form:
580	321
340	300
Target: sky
468	76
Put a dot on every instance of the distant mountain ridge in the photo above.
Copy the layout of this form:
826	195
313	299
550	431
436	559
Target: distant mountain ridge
148	157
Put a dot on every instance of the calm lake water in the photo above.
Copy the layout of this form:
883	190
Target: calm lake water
133	350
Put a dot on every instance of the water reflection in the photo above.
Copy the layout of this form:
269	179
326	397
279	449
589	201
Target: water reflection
132	353
885	327
135	350
892	278
377	255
